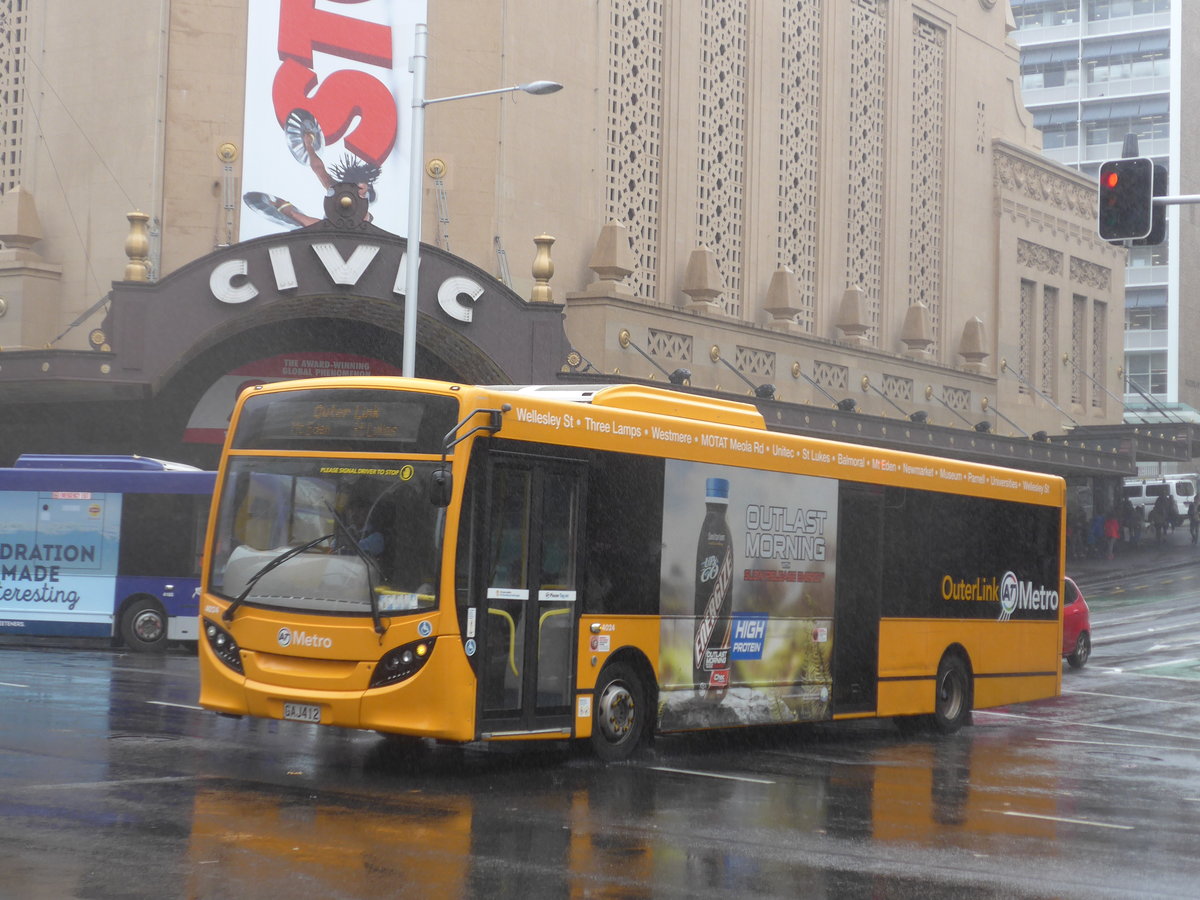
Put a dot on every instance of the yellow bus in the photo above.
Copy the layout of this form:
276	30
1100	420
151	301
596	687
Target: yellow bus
473	563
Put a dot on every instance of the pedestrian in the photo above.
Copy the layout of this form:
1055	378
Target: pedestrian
1193	514
1160	517
1095	536
1112	531
1131	520
1077	532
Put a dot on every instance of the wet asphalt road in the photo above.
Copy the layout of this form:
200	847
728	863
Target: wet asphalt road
113	785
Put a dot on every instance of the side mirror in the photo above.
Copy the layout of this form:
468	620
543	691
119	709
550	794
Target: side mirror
441	486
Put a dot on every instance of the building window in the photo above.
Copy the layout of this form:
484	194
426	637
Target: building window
1049	340
634	132
1099	351
1078	346
1048	75
13	33
1146	309
1113	131
799	133
1147	371
1099	10
1125	67
721	166
926	207
1059	136
866	107
1140	257
1046	14
1025	327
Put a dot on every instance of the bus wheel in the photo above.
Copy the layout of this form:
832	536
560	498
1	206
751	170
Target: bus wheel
619	715
144	626
952	705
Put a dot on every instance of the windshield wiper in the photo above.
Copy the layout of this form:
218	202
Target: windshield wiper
272	563
366	558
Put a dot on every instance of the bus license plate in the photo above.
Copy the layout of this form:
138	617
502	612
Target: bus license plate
302	712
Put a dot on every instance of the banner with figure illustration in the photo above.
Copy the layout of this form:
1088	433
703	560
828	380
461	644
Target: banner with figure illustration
58	561
328	100
747	591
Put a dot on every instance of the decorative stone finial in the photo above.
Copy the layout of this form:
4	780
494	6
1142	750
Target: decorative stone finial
702	282
612	261
916	333
543	270
20	227
137	247
972	345
852	317
783	301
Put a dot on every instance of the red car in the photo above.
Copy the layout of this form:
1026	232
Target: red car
1077	626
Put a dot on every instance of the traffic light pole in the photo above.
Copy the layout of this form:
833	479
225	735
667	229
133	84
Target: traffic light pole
1178	200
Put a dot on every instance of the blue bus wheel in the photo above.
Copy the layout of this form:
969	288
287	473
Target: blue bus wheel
144	626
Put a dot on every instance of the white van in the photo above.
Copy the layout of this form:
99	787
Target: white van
1142	492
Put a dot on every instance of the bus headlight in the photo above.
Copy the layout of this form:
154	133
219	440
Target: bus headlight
401	663
223	645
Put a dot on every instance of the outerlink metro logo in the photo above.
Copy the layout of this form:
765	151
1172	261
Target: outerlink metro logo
286	637
1016	595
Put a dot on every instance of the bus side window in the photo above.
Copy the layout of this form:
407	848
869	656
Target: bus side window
558	534
624	534
158	535
509	554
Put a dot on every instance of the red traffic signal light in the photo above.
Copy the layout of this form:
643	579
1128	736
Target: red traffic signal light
1126	205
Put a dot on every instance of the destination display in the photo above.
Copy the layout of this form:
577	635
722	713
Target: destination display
412	423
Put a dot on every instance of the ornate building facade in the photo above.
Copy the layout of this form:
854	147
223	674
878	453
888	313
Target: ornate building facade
828	204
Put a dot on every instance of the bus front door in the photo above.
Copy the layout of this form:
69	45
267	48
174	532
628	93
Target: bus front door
529	611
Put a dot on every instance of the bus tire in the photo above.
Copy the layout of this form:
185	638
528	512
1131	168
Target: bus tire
952	698
144	625
620	713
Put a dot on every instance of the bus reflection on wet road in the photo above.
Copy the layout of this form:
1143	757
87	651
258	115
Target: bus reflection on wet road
114	785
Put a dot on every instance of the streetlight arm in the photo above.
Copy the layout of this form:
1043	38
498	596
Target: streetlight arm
535	87
416	161
504	90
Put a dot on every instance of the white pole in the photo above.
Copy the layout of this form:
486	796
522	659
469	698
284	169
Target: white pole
415	181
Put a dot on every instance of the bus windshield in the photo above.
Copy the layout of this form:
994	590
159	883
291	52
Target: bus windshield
373	530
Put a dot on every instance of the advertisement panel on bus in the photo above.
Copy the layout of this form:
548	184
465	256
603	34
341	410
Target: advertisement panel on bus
747	581
58	561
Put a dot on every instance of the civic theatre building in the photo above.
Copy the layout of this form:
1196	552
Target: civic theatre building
835	209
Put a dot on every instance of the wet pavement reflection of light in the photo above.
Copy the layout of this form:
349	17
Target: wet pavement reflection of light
114	785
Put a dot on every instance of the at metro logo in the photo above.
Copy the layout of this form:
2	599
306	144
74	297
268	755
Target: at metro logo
343	95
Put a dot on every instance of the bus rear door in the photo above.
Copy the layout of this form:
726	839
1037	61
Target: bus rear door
857	605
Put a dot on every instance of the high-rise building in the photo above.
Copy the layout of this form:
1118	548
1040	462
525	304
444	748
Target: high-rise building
1092	72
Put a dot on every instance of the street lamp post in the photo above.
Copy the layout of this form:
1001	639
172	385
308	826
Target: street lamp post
416	170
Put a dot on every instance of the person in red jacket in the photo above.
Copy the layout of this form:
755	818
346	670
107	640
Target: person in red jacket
1112	531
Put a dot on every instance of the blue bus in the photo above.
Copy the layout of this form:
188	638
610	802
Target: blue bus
102	546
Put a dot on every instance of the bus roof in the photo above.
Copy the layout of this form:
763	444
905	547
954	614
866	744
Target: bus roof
131	462
641	398
104	474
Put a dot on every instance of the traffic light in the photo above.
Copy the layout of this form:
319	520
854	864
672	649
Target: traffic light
1126	207
1158	219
